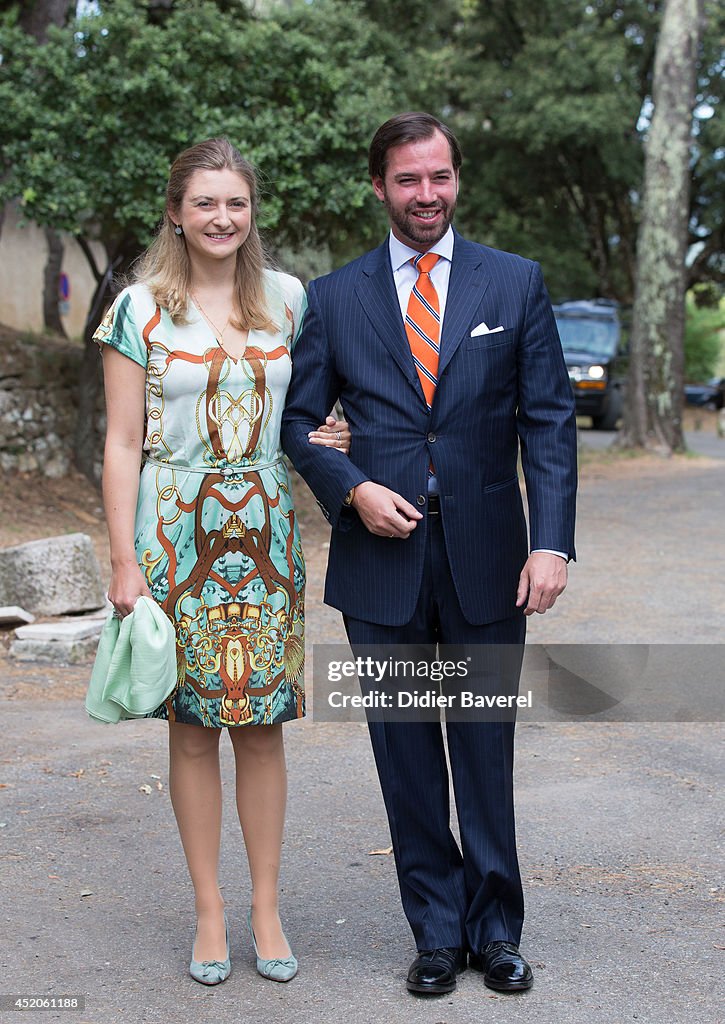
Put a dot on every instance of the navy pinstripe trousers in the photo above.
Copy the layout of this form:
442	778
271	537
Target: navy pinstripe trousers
472	895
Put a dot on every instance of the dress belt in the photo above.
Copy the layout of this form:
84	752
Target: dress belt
229	472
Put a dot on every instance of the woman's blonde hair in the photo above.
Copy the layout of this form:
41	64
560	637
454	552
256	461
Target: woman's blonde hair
165	266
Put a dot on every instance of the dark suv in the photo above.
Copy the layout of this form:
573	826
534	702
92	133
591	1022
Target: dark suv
591	337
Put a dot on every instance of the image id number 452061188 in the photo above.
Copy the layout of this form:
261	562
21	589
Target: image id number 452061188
34	1003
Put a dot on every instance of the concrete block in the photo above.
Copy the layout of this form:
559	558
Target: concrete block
52	576
13	613
61	630
55	652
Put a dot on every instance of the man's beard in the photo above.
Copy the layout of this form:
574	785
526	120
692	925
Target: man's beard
414	230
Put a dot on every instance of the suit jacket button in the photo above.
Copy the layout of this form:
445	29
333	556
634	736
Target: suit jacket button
431	438
420	500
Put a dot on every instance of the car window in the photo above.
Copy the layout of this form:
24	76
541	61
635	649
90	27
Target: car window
588	335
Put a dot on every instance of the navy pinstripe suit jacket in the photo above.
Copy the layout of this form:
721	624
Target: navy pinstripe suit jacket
493	391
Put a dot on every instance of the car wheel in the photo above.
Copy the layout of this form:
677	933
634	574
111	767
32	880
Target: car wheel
610	417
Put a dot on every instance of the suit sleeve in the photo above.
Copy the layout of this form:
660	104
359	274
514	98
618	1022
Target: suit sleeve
313	391
546	425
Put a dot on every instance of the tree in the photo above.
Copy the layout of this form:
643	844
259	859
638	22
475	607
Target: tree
95	115
653	416
550	101
707	212
35	17
546	100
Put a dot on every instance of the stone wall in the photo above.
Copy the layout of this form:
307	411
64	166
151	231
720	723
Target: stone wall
38	386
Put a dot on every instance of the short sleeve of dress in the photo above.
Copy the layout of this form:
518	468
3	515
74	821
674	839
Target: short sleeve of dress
299	309
119	329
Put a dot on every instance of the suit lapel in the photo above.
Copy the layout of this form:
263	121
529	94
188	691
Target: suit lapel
377	295
466	287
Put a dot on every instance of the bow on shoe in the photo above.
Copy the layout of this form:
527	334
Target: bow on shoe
212	972
274	965
212	965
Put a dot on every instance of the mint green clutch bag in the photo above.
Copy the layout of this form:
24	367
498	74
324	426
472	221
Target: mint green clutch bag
135	667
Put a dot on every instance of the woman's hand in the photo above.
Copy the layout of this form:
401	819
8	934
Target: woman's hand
333	434
126	586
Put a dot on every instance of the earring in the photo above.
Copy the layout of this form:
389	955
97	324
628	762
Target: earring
178	230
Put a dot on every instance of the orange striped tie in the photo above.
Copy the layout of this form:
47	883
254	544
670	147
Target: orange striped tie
423	324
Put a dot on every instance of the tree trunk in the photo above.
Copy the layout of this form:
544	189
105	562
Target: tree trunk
37	15
87	441
653	414
51	312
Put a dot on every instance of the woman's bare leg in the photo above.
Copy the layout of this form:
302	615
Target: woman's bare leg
261	800
196	796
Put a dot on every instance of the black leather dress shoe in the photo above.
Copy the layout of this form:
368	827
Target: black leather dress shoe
433	972
503	967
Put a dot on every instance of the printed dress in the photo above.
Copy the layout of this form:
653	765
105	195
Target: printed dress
216	534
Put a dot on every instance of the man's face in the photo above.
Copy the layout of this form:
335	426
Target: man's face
419	191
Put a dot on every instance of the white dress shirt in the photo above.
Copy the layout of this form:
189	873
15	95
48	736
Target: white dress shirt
405	275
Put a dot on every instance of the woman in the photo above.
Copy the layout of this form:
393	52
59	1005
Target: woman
196	361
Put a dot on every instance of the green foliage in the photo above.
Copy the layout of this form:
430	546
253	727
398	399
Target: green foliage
703	340
550	100
94	117
551	103
708	171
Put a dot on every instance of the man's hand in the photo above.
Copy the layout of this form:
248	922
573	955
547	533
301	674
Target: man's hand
542	579
384	512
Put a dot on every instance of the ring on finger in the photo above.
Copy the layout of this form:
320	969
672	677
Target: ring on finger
338	435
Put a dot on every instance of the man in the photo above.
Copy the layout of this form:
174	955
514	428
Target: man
444	354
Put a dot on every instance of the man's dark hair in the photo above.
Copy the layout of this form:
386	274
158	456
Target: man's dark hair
409	127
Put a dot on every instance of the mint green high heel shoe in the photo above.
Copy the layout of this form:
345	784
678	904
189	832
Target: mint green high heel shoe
211	972
277	968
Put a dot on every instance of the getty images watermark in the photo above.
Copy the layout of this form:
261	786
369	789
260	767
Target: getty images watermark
405	684
502	682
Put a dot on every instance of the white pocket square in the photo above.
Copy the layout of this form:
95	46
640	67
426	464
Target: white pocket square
484	329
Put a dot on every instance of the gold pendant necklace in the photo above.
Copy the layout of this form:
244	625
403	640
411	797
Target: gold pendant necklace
218	335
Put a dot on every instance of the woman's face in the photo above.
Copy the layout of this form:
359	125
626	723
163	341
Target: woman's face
215	214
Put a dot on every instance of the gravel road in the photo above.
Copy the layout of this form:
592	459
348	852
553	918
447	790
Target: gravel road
619	822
